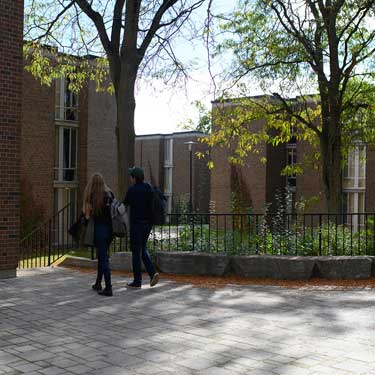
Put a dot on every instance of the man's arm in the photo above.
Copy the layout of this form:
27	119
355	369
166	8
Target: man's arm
127	199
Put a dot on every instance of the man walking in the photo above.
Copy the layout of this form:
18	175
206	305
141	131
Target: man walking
139	198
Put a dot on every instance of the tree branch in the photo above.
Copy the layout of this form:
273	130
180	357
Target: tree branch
53	22
290	111
116	25
155	25
99	24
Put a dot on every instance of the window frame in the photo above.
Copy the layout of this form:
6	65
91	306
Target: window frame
168	172
61	89
356	192
59	168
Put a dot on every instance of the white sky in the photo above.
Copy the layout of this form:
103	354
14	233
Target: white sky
163	108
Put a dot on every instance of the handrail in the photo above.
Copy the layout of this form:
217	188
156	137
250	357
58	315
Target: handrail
40	226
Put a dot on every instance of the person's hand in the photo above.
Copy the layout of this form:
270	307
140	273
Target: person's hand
88	211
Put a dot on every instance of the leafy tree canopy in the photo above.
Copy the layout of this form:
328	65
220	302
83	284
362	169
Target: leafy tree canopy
319	52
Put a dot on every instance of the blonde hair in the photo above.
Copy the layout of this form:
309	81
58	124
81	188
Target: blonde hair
93	196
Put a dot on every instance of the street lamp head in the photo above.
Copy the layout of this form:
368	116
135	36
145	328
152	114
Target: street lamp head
190	145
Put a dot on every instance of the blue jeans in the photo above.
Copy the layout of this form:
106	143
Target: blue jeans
139	233
102	240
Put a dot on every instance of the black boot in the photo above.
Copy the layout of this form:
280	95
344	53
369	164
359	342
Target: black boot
97	286
107	291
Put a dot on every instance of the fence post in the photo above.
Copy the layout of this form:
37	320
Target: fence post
320	234
192	231
49	241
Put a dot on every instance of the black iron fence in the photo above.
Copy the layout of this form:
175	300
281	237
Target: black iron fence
278	234
233	234
49	241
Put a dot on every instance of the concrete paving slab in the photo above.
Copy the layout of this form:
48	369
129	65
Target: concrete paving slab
51	322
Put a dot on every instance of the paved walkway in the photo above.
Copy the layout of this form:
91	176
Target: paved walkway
52	323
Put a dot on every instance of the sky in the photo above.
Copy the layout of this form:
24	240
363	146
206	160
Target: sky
166	109
163	109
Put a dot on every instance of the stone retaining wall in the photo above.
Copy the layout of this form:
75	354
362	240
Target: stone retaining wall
254	266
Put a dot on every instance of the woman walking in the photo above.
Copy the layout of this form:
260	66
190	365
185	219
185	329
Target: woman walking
97	201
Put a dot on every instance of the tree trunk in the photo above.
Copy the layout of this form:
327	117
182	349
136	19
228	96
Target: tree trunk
125	101
332	170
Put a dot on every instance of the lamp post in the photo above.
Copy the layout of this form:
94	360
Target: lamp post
190	148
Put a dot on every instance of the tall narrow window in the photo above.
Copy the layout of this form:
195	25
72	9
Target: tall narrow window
291	162
354	185
168	172
66	101
65	154
291	178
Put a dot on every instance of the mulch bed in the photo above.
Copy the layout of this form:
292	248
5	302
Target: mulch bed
221	282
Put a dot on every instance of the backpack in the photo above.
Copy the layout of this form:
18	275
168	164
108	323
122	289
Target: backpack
159	202
119	216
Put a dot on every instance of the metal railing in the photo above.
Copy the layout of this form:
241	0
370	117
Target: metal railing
49	241
232	234
277	234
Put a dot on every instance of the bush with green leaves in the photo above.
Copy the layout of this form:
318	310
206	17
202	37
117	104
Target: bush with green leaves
276	237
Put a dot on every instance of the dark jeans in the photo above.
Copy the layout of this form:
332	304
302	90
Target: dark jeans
103	238
139	233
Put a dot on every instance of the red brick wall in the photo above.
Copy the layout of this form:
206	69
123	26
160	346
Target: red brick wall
310	183
202	176
275	182
251	177
11	25
220	180
37	150
181	173
149	155
82	144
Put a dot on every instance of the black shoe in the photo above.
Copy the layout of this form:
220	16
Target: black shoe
97	287
154	279
106	292
133	284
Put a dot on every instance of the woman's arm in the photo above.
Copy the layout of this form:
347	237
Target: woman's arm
88	210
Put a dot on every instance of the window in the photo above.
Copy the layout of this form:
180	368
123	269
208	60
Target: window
293	138
291	179
355	169
65	154
291	160
168	171
66	102
354	185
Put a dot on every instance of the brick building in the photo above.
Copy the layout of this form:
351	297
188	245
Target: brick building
11	33
257	184
166	160
65	138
